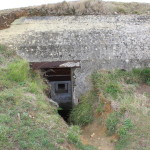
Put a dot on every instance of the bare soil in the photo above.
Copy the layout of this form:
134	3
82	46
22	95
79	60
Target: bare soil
143	88
95	133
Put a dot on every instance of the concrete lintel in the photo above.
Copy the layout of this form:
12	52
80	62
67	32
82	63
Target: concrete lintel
55	64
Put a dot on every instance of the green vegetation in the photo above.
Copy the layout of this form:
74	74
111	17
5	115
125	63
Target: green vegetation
100	107
111	123
18	71
74	134
4	54
27	120
123	132
82	114
114	125
119	88
24	116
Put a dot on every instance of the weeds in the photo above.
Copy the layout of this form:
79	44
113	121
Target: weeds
82	114
112	122
120	86
114	126
2	49
107	83
121	11
123	134
113	89
100	107
144	74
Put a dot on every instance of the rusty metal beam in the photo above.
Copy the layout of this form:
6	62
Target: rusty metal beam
55	64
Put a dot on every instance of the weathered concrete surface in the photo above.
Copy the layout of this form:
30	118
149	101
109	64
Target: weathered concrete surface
99	42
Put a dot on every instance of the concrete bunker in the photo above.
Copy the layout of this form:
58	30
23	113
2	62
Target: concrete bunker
99	42
59	75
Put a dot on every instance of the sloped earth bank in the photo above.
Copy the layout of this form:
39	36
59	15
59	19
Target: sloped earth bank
95	133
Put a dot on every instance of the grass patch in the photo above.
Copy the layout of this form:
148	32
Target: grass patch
111	83
112	122
27	120
18	71
144	74
123	133
82	114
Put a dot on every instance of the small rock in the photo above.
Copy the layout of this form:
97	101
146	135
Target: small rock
92	135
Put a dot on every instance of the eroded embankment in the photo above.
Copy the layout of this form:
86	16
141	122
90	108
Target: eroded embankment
113	113
96	133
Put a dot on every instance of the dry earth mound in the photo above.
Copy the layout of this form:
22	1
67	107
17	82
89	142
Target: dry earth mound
93	7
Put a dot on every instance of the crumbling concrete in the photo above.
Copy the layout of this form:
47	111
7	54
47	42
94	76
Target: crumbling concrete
98	42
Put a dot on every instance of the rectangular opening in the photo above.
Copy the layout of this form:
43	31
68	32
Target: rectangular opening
60	82
61	88
59	75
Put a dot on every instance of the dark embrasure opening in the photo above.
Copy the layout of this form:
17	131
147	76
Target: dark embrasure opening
61	89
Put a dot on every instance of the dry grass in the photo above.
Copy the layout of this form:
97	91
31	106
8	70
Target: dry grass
91	7
83	7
